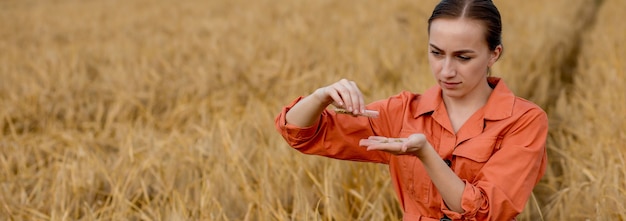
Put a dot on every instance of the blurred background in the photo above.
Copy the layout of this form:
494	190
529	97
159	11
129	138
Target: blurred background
164	110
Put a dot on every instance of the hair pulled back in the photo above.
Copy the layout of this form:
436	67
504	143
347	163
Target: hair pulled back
481	10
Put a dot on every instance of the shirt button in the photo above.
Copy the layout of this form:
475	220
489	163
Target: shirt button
448	162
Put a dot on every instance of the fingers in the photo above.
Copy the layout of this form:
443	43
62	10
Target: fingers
367	142
373	140
394	148
378	138
391	145
379	147
404	148
383	143
359	102
334	95
347	95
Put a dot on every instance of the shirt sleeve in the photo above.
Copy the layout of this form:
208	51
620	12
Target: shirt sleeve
505	182
333	135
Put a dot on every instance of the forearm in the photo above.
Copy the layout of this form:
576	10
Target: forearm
449	185
306	112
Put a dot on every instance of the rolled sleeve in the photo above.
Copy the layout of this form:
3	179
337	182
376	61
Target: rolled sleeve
294	135
471	202
327	137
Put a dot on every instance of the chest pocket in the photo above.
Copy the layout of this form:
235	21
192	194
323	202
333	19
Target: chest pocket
471	155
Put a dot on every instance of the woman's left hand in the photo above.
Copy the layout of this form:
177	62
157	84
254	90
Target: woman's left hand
397	146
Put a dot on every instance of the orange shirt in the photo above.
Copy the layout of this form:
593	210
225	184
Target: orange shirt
499	152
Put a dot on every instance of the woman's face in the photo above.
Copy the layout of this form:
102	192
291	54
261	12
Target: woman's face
459	57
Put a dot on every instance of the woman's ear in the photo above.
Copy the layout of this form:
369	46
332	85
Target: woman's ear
495	55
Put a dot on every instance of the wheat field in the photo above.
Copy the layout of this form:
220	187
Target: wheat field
164	110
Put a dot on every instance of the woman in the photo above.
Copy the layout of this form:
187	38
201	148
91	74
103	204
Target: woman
466	149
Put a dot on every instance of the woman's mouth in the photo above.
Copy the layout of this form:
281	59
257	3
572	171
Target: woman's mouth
450	85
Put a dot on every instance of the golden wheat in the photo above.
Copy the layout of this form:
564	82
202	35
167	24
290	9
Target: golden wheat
589	137
163	110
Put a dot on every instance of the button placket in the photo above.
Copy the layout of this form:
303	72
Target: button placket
446	145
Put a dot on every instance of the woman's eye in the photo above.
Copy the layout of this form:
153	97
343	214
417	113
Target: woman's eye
435	53
464	58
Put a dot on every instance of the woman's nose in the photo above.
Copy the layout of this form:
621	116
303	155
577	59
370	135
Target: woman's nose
448	69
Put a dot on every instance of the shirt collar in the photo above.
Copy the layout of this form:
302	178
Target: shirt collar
499	105
429	101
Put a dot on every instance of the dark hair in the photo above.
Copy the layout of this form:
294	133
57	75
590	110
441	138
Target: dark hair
482	10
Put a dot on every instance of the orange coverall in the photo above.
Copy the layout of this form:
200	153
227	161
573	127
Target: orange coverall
499	152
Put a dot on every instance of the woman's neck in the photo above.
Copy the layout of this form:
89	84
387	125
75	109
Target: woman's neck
462	108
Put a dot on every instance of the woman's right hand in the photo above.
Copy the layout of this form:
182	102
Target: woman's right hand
342	94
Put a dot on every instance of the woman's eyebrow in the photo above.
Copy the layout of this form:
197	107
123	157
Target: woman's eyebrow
432	45
457	52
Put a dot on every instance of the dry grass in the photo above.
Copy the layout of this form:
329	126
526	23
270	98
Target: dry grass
163	110
588	140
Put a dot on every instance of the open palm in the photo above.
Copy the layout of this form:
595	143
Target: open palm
396	146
